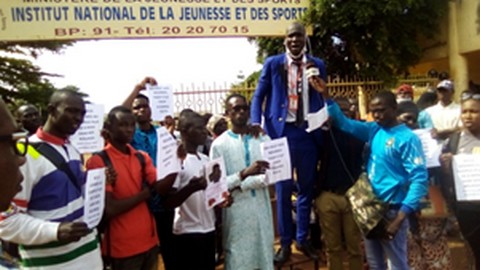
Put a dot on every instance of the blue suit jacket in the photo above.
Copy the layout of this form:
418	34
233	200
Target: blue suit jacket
272	85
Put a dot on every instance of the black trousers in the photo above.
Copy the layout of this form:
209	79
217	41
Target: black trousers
469	222
195	251
164	221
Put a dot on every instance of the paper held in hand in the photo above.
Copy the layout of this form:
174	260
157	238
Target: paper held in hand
431	147
167	159
161	101
216	176
277	154
466	176
88	139
316	120
94	201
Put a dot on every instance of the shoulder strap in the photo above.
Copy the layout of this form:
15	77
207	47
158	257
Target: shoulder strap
105	158
367	147
57	160
453	141
141	158
372	135
106	161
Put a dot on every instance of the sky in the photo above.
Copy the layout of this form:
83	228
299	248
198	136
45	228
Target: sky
108	70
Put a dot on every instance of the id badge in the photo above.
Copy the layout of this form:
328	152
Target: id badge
293	102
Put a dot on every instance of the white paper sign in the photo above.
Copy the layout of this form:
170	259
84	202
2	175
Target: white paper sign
94	197
161	101
167	159
431	147
316	120
467	176
217	189
88	139
277	154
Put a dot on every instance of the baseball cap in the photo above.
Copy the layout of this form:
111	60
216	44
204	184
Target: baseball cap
404	88
446	84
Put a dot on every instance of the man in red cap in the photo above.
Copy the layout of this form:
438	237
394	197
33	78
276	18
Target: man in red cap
405	93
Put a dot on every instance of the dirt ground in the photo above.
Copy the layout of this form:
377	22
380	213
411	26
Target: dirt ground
460	255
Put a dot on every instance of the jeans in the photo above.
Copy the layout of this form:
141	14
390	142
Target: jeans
394	250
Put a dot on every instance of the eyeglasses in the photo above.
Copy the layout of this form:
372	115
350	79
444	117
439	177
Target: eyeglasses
469	95
239	108
18	140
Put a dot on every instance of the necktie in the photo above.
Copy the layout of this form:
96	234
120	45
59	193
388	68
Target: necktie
299	84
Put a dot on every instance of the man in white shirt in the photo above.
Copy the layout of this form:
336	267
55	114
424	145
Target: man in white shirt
446	114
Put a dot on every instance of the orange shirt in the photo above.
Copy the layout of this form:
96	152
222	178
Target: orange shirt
134	231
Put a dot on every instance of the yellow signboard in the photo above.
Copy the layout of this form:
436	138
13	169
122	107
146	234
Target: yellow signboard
96	19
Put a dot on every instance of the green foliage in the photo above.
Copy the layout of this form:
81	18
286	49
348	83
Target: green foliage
380	37
247	86
22	82
37	94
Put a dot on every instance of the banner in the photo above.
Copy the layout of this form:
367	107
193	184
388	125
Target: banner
99	19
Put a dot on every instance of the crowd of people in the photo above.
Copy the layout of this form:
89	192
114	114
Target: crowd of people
42	187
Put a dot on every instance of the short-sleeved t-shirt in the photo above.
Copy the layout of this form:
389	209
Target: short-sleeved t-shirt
134	231
445	117
193	216
468	144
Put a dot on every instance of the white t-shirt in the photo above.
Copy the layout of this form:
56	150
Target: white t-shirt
193	216
445	117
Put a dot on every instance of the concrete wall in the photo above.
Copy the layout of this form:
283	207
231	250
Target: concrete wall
456	48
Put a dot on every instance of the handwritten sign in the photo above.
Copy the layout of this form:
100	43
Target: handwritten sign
161	101
466	176
431	147
96	19
94	197
316	120
88	139
217	189
167	160
276	153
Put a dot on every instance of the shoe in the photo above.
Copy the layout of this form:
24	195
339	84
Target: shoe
282	255
308	250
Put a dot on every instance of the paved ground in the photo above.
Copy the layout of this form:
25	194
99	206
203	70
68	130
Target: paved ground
460	255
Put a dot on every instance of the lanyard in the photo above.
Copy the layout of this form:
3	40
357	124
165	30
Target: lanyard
295	84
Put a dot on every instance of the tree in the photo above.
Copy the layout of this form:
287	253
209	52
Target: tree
369	38
19	77
247	86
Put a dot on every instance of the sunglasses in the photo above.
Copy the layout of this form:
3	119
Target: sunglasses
239	108
467	96
18	140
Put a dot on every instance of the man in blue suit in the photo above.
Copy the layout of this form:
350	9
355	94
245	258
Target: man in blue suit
289	97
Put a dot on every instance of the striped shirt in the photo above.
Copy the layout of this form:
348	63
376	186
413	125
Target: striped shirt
48	198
